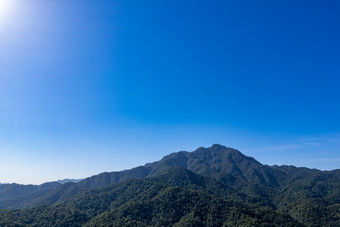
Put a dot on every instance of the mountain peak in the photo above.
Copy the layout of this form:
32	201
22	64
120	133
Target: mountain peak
217	161
217	146
217	151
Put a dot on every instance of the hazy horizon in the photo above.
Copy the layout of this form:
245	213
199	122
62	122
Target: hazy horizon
96	86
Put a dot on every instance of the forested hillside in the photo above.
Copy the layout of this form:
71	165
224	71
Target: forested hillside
215	186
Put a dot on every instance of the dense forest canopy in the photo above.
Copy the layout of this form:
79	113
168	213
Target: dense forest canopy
215	186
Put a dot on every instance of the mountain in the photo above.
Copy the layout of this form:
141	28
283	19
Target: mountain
64	181
13	194
225	164
180	207
198	161
256	193
174	197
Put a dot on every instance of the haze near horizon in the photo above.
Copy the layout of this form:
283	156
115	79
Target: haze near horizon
93	86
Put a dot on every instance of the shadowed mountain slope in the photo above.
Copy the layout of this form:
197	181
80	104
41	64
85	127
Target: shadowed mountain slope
225	164
174	197
309	196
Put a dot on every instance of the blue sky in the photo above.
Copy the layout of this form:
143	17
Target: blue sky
88	86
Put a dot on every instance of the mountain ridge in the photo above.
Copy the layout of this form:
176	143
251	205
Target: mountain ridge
308	196
222	163
170	156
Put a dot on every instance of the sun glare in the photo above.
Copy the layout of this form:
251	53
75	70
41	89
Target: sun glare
5	6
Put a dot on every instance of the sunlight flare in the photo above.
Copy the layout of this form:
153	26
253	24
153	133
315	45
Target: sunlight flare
5	6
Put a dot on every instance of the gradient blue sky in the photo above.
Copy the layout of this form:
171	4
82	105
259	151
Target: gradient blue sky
88	86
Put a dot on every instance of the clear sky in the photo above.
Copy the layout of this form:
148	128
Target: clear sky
88	86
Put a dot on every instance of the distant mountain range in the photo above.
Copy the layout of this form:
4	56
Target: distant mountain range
212	186
64	181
